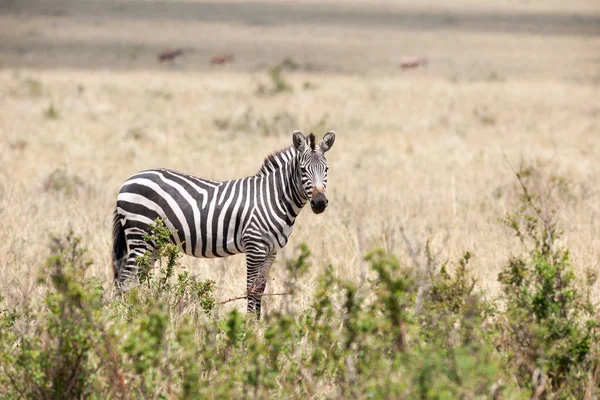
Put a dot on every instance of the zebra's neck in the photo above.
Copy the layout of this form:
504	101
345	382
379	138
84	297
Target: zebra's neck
281	169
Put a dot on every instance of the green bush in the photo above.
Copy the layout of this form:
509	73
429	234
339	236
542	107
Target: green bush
550	328
54	343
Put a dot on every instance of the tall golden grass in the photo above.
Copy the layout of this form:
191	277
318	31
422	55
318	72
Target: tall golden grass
422	156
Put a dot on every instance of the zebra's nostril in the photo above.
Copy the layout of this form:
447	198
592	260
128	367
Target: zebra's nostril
319	203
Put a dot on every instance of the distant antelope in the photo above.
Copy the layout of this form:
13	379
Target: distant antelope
414	62
169	55
253	215
221	59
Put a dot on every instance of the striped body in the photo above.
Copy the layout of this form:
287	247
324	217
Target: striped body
253	215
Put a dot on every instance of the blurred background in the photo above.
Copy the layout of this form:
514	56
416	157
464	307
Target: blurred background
433	103
460	39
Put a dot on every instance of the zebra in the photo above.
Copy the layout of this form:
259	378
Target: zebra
208	218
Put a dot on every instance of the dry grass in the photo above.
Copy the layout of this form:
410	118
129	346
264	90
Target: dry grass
423	151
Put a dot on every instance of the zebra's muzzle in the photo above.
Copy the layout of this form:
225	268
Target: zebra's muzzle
319	203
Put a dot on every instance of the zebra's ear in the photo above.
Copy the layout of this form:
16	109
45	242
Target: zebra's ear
327	141
299	141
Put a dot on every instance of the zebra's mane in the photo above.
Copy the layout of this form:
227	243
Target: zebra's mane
271	163
282	156
311	141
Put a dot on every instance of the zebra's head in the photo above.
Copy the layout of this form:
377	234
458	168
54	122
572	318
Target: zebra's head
312	167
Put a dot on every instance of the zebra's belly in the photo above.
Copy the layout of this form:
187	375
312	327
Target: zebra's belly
223	248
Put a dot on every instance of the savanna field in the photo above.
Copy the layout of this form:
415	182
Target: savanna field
471	185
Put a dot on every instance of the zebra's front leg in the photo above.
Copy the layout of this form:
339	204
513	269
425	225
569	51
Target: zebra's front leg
258	266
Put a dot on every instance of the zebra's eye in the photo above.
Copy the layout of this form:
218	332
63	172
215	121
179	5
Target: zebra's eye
303	168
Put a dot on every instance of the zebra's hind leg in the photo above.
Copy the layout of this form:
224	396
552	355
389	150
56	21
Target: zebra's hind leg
258	266
130	271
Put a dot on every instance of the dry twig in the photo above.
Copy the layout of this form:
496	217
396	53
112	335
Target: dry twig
253	295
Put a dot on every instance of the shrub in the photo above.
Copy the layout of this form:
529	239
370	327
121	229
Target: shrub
61	181
550	328
54	342
51	112
278	83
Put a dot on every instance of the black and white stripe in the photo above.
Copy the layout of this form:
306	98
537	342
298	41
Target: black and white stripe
253	215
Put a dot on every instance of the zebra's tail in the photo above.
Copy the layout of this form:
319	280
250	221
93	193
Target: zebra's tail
119	246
